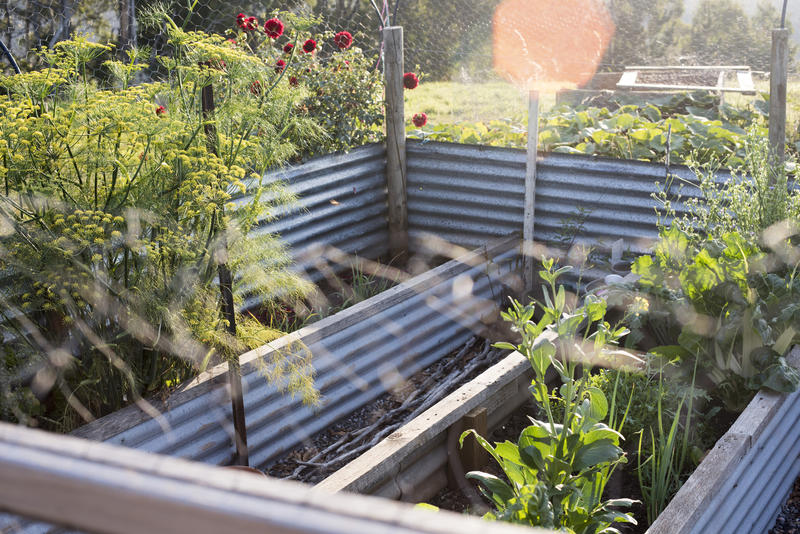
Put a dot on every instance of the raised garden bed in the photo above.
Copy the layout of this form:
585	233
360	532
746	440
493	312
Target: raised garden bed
739	486
742	483
411	463
364	428
358	354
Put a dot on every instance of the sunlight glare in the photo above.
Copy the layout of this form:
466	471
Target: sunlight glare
550	45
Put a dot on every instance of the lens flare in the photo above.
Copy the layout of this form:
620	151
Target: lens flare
550	44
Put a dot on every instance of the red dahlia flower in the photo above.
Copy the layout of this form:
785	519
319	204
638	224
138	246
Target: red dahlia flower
419	120
280	65
273	28
293	81
410	80
309	46
343	40
161	110
248	24
288	47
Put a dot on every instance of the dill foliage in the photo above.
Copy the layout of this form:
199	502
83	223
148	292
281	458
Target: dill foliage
118	203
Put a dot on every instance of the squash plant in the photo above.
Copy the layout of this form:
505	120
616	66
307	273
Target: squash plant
558	469
699	129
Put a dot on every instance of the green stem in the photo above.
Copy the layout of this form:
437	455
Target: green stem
115	172
74	164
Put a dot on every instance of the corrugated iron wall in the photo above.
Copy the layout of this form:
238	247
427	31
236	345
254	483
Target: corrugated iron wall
464	194
762	481
467	194
342	203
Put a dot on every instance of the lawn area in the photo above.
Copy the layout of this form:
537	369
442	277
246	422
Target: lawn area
449	102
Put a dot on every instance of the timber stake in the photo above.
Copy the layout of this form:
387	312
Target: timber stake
228	307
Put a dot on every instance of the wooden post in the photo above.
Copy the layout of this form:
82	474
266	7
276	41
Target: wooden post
473	456
226	291
127	25
530	190
779	67
395	141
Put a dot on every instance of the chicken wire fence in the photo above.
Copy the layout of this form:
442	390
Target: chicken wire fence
27	25
457	40
443	40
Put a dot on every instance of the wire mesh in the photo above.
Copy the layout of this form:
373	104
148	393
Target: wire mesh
447	41
26	25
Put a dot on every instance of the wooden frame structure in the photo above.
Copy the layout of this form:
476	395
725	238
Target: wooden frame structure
744	78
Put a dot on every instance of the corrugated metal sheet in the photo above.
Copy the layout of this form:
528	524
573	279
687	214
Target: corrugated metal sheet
760	484
467	194
13	524
342	203
615	196
359	354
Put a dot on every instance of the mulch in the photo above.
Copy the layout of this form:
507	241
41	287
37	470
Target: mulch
332	448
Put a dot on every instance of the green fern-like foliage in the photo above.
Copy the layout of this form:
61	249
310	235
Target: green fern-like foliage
118	204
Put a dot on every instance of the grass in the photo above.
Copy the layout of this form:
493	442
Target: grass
451	102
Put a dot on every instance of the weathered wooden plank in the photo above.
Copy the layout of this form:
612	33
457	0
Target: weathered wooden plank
499	386
687	67
628	78
677	87
98	487
755	418
778	80
530	191
473	456
745	79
